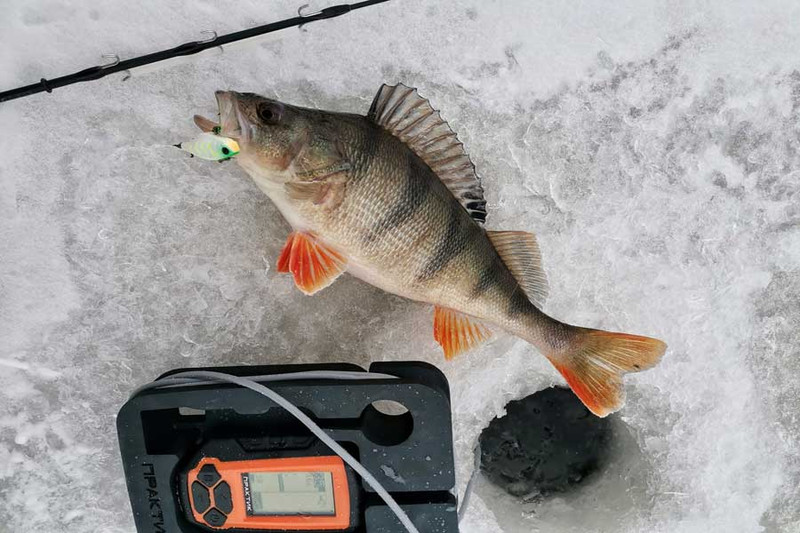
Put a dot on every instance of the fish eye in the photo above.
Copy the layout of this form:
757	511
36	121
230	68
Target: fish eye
225	150
270	112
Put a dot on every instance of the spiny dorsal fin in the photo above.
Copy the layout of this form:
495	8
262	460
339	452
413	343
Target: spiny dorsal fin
520	252
410	117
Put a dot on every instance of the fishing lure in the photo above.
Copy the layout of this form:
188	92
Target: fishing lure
210	147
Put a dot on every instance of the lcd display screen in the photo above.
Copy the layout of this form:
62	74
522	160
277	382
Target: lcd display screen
290	493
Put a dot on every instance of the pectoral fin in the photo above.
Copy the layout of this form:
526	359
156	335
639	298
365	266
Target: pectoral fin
313	264
323	185
456	333
329	194
324	172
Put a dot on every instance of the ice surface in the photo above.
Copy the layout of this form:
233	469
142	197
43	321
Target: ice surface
652	145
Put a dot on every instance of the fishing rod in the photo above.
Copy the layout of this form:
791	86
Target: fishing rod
185	49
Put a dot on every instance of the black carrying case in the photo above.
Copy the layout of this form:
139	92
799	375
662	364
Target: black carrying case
410	454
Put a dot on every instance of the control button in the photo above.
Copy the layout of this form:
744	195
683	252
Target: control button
208	475
200	497
222	498
215	518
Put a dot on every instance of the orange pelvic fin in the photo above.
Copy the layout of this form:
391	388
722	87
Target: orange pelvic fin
594	367
313	264
456	333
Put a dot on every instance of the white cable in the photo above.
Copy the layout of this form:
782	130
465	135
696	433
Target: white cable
175	380
302	417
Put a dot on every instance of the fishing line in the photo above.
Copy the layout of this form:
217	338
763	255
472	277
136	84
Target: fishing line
185	49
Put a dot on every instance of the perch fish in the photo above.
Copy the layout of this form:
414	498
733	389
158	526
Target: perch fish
393	198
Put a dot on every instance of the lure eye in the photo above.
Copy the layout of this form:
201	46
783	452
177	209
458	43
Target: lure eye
225	150
270	113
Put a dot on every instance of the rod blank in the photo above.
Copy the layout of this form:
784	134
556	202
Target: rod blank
185	49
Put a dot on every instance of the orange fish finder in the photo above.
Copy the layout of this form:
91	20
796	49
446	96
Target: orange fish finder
284	494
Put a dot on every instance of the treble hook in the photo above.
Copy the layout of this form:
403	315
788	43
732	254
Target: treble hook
300	14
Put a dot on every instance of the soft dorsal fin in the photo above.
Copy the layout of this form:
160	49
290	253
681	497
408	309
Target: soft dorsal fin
411	118
520	252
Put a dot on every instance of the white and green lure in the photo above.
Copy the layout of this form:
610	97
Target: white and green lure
210	147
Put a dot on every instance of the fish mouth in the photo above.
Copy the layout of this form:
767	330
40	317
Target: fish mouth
229	115
231	123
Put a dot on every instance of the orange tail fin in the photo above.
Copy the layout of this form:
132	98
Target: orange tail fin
593	366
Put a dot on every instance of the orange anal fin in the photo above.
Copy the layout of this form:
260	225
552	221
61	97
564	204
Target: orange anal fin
313	265
594	367
456	333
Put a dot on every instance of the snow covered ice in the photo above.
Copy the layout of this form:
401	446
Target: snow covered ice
651	145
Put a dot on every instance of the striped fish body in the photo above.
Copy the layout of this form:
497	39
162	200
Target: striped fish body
393	199
403	231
